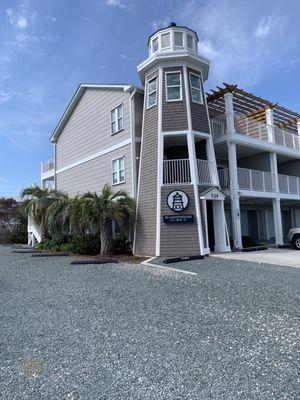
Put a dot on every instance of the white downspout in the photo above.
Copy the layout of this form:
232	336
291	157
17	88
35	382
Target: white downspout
133	144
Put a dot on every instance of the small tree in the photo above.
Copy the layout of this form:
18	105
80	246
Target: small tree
105	207
37	201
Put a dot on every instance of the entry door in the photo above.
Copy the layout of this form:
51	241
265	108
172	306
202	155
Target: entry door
286	222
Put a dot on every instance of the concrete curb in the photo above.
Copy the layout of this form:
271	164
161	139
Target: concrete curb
182	271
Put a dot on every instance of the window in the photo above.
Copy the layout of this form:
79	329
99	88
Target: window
165	40
154	45
116	119
190	42
118	170
173	83
196	88
178	39
152	92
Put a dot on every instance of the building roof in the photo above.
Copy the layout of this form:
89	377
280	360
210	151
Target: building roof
172	25
77	96
252	106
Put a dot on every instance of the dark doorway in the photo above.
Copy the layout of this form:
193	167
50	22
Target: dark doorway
210	225
252	225
286	222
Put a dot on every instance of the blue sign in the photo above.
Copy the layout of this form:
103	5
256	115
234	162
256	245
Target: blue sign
179	219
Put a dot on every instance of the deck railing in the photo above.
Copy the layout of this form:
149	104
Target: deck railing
218	126
257	130
261	181
249	179
205	172
178	172
286	138
289	184
47	166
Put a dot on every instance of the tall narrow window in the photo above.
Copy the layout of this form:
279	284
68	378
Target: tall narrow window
116	119
178	39
196	89
118	170
152	92
154	45
173	86
165	40
190	42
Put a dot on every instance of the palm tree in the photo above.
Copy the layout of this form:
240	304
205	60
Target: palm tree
37	202
103	209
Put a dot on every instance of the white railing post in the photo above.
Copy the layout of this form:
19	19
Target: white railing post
288	184
264	183
251	181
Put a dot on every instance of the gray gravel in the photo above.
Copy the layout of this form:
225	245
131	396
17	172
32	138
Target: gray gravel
132	332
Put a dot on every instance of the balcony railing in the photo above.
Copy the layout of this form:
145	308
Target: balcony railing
257	130
249	179
178	172
289	184
205	172
286	138
47	166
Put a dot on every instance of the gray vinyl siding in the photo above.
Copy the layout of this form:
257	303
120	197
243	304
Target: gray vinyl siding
179	239
174	114
145	239
93	175
88	129
198	111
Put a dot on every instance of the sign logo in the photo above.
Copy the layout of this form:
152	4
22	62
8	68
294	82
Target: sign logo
177	200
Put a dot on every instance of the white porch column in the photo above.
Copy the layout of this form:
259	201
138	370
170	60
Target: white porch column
194	181
229	112
212	158
276	202
234	195
219	226
277	221
274	171
298	127
270	124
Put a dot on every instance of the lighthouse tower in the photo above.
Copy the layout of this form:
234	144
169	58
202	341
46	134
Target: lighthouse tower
180	208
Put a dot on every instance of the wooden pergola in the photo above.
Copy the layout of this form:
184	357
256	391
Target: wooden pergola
252	106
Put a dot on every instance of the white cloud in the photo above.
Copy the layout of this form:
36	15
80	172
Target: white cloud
21	18
2	179
22	22
266	25
161	23
50	18
232	39
116	3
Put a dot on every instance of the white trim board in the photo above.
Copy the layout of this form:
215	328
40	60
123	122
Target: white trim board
95	155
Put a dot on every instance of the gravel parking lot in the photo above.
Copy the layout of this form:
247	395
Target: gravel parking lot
133	332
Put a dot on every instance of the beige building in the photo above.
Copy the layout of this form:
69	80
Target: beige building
202	168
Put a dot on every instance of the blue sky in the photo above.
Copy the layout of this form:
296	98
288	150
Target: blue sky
48	47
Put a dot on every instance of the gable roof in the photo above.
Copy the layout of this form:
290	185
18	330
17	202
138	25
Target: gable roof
75	100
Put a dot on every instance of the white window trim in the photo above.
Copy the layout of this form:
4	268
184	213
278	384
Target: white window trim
155	38
166	86
111	121
148	93
161	36
176	46
193	41
193	87
112	171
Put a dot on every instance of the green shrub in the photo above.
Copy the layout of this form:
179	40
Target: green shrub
84	245
122	246
45	244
